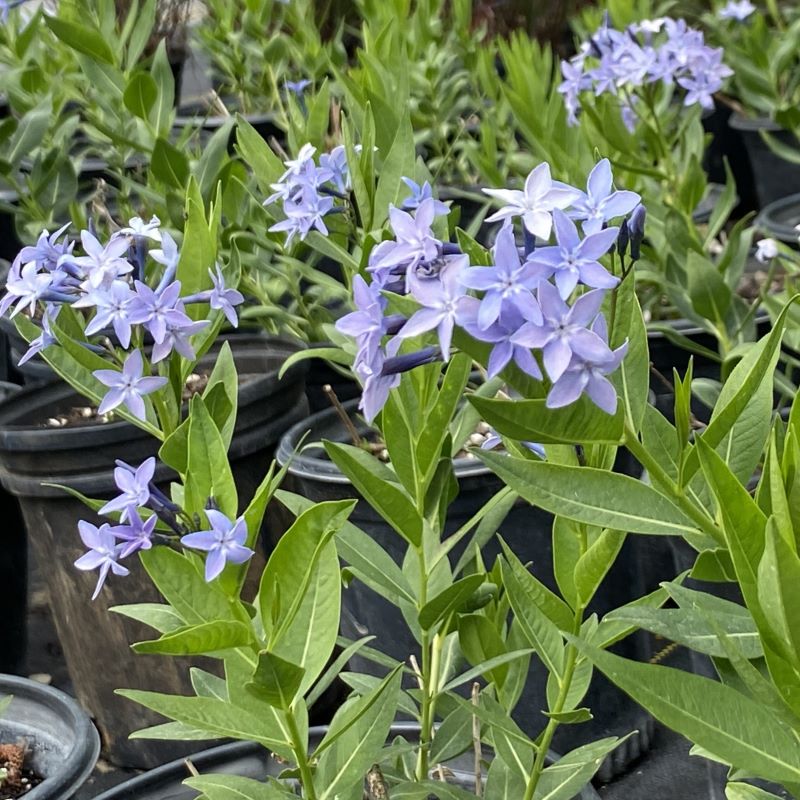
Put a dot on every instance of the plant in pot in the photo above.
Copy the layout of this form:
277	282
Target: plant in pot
495	616
739	473
129	325
763	90
692	285
266	57
438	276
447	71
48	745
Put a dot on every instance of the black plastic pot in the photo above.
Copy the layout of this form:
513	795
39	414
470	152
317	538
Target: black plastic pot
666	354
779	220
643	563
251	760
82	458
773	176
62	741
13	574
322	374
202	118
727	143
10	243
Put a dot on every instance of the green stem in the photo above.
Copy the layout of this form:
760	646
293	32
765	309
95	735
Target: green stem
552	725
661	478
299	750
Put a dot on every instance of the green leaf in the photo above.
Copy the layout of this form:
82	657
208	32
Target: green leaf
179	579
453	737
234	787
215	155
690	627
159	616
365	557
712	715
209	471
753	371
448	601
276	680
743	522
169	165
207	638
29	134
744	791
398	163
85	40
632	379
199	247
300	592
593	565
591	496
564	779
357	732
141	94
542	634
710	295
484	669
162	75
573	717
531	421
217	717
376	484
778	583
257	154
422	790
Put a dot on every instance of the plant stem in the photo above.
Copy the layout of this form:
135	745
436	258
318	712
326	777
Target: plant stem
299	750
552	725
659	475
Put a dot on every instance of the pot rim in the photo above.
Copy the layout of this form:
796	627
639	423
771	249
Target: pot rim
765	222
324	470
240	749
86	740
740	122
40	438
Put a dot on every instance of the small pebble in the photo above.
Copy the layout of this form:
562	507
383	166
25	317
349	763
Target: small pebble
470	456
483	427
41	677
384	455
477	438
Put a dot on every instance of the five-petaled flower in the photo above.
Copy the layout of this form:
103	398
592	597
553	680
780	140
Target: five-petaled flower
224	542
128	387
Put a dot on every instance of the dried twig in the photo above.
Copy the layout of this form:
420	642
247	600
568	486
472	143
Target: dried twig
343	415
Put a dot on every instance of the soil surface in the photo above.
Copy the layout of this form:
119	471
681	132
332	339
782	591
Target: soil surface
87	415
19	780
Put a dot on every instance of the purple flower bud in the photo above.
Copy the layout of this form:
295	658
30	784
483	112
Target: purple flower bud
636	229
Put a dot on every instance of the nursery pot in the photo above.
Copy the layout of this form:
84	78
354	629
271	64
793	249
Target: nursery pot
322	374
251	760
727	143
779	220
13	574
642	563
62	743
774	177
199	116
82	457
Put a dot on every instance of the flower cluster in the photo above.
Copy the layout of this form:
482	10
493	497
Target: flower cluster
738	10
140	507
126	288
309	191
527	300
661	50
